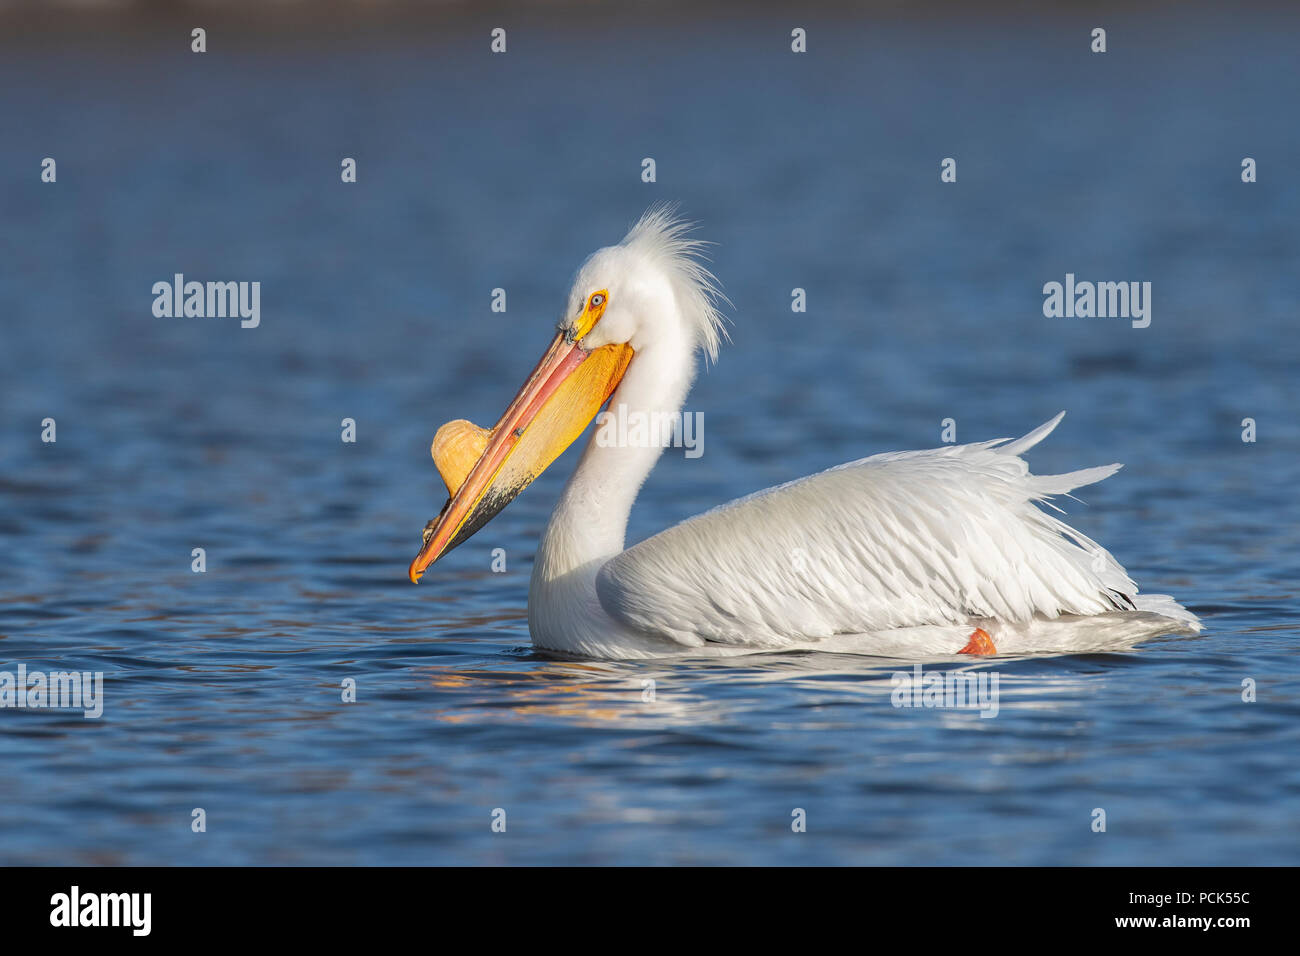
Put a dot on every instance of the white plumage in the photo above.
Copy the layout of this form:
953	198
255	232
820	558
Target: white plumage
904	540
945	536
900	554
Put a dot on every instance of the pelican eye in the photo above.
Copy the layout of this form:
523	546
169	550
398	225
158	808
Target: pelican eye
596	301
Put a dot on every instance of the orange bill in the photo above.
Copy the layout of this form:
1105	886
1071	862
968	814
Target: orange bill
557	401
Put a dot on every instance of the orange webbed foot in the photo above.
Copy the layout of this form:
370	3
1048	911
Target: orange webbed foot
980	644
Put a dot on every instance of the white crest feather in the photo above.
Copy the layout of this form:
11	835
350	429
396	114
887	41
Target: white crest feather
663	236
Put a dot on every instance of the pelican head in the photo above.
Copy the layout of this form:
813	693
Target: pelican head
627	300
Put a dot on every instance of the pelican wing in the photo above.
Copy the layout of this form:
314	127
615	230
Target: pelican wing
944	536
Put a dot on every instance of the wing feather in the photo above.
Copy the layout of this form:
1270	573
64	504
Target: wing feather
905	539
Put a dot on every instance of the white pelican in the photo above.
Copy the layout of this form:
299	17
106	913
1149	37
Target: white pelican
913	554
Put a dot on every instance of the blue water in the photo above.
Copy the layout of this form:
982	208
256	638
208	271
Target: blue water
222	689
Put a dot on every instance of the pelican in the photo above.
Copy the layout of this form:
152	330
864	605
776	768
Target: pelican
905	554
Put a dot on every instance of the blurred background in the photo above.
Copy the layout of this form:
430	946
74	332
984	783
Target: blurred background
478	171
